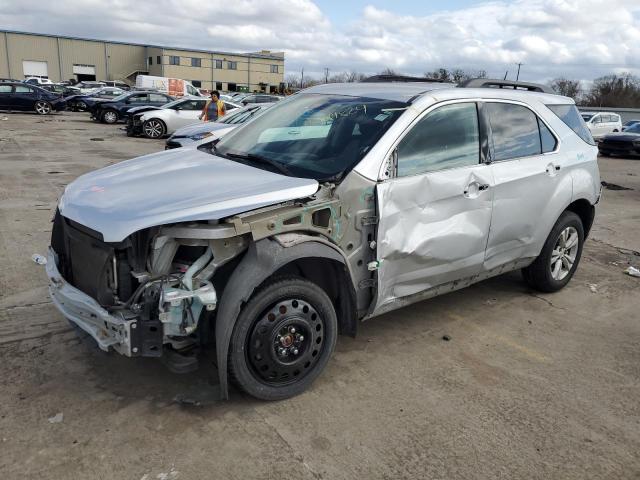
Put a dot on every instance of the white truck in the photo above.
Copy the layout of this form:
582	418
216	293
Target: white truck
171	86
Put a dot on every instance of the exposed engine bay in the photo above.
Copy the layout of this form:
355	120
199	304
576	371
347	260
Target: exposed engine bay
156	283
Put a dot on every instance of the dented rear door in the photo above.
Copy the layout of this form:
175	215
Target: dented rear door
436	213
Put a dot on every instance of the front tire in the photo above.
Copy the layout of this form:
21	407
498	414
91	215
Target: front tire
282	339
110	116
154	128
42	108
560	256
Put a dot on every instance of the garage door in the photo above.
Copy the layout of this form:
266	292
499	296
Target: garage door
33	68
84	69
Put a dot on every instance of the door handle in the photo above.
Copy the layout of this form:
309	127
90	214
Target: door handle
552	169
474	188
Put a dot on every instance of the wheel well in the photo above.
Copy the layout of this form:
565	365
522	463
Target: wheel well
334	279
585	211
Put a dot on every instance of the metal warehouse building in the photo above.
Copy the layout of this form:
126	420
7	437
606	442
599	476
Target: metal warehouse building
62	58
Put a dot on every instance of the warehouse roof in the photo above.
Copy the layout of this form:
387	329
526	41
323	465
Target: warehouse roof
261	54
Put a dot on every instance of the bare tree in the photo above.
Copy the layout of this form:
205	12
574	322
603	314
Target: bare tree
388	71
614	91
355	77
456	75
293	80
566	87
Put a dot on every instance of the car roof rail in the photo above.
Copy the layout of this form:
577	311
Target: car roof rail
509	84
401	78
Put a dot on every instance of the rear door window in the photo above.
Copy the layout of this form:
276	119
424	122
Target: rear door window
156	98
571	117
139	98
515	131
447	137
6	88
24	89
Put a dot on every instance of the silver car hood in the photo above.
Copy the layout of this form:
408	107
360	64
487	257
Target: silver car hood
201	127
173	186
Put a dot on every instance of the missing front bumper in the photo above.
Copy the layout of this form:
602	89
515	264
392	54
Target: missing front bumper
108	330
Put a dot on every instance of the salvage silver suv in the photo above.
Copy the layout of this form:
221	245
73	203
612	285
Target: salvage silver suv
341	203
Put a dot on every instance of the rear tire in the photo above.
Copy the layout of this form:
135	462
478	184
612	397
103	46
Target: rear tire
282	339
42	108
559	257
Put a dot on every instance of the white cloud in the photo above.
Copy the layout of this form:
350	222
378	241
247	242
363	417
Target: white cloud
577	38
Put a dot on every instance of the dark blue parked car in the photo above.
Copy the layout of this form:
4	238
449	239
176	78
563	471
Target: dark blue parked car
116	109
29	98
84	102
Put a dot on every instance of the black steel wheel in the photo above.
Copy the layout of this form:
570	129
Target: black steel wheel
283	339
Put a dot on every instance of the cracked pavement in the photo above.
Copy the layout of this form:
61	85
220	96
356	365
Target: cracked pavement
529	386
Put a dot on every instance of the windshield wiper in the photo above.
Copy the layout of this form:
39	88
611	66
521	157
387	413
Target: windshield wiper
252	157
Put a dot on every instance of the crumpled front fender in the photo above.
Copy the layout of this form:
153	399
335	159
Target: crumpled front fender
263	258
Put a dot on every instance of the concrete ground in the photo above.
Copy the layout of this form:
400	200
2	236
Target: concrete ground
530	386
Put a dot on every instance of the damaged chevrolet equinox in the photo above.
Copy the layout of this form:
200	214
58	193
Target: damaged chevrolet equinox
341	203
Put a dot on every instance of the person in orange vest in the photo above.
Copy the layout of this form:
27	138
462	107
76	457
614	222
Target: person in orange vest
213	109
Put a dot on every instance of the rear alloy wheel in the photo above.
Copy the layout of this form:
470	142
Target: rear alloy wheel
283	339
81	106
110	116
42	107
560	255
154	128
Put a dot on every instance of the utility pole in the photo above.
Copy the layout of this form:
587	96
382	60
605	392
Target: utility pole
326	75
302	78
518	75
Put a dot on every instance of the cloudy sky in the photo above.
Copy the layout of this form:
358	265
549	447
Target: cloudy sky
580	39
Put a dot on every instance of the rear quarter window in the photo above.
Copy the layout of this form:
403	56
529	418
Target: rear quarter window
571	117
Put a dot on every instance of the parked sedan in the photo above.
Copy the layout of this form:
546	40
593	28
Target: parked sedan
88	87
628	124
60	89
116	109
196	134
624	143
83	102
260	98
23	97
158	122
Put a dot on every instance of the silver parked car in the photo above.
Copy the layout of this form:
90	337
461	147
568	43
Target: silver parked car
336	205
203	132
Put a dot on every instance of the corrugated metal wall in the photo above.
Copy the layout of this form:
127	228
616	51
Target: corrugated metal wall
32	47
82	52
125	59
114	61
4	61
